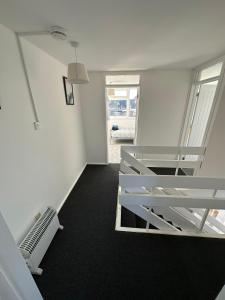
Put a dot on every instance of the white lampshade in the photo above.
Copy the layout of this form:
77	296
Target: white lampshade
77	73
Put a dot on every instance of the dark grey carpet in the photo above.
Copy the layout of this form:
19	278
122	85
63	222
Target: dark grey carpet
89	260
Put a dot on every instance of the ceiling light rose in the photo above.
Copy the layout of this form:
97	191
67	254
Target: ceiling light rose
77	73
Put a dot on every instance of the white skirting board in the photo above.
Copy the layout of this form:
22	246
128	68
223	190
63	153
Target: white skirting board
75	181
99	163
31	223
70	189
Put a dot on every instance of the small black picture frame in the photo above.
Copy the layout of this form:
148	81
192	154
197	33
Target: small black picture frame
68	89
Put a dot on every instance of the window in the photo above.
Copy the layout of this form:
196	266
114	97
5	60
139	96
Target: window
122	108
121	93
133	107
133	93
210	72
118	108
122	102
122	79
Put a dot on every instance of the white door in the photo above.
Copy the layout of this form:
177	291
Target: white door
202	110
203	104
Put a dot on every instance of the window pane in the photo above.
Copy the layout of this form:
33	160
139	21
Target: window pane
132	104
122	79
132	111
118	107
120	93
211	71
133	93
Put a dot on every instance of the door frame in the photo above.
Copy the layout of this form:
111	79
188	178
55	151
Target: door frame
192	101
106	111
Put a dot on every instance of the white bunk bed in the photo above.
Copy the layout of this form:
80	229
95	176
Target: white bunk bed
177	205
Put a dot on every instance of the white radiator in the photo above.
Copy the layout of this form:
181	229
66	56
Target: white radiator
38	239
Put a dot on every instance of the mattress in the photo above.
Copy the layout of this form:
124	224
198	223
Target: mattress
123	133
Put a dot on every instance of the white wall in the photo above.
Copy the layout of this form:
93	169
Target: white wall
163	97
37	167
214	161
94	117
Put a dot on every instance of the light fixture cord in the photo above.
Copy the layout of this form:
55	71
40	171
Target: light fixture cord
76	54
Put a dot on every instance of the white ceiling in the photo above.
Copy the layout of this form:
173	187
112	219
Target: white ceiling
125	34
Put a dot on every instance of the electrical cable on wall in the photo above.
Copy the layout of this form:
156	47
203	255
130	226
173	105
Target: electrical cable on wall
32	101
77	73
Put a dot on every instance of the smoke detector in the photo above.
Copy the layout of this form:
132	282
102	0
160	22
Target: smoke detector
58	33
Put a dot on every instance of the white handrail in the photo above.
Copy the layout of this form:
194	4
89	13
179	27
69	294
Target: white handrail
141	190
164	150
168	181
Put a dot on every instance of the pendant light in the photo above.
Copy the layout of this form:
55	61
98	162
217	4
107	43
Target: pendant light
77	73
